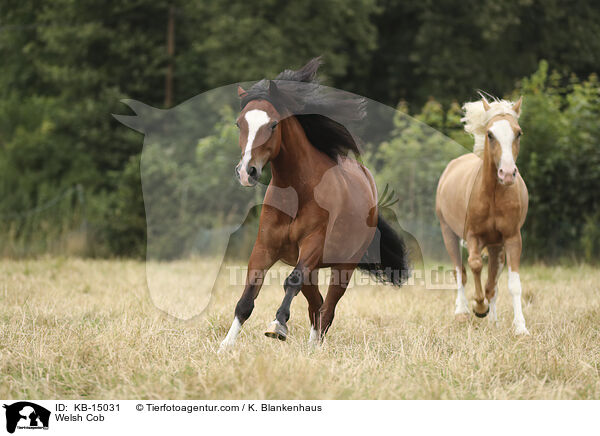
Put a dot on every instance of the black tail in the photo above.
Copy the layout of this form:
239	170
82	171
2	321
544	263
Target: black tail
386	258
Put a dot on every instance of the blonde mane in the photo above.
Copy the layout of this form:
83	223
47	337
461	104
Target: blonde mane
476	118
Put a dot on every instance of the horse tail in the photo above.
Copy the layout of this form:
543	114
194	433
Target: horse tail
386	259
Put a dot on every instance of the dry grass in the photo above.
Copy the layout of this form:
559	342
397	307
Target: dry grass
87	329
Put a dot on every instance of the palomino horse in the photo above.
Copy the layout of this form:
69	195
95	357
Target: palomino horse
482	199
320	208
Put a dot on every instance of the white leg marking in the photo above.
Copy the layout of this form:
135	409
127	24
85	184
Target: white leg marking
314	336
234	330
514	286
462	305
276	323
493	314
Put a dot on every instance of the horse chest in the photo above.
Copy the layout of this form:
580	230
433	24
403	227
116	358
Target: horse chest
485	227
490	222
296	230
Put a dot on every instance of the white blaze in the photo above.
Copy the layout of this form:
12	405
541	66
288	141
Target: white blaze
255	119
505	135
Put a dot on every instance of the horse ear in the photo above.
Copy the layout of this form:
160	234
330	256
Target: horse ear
241	92
273	91
517	106
486	105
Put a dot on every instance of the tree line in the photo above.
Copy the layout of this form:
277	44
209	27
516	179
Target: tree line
66	65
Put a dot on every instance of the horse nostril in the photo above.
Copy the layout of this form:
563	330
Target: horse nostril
500	171
252	172
515	173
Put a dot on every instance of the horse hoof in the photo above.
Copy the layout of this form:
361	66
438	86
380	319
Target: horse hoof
521	330
224	347
482	315
276	330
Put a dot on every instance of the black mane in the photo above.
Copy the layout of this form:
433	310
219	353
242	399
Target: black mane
322	112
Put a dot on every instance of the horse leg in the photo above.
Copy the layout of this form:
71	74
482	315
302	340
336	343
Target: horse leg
315	300
513	255
305	272
340	277
451	241
495	265
260	261
481	308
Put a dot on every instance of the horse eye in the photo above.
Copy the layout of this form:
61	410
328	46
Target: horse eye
274	124
237	124
519	134
490	136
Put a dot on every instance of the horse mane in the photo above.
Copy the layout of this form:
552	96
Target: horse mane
322	112
476	118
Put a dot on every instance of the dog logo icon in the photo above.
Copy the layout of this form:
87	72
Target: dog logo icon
26	415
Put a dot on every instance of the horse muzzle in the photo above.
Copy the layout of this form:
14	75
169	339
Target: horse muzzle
247	176
507	174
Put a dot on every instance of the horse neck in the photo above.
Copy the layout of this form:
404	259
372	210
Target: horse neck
298	163
489	179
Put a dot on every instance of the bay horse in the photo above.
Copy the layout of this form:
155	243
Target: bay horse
320	208
482	198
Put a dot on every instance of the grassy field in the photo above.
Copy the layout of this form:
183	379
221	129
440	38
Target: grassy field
74	328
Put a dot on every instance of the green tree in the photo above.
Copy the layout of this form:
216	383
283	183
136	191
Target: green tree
560	163
239	40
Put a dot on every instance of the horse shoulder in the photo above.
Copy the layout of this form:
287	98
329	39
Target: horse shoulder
524	199
280	208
